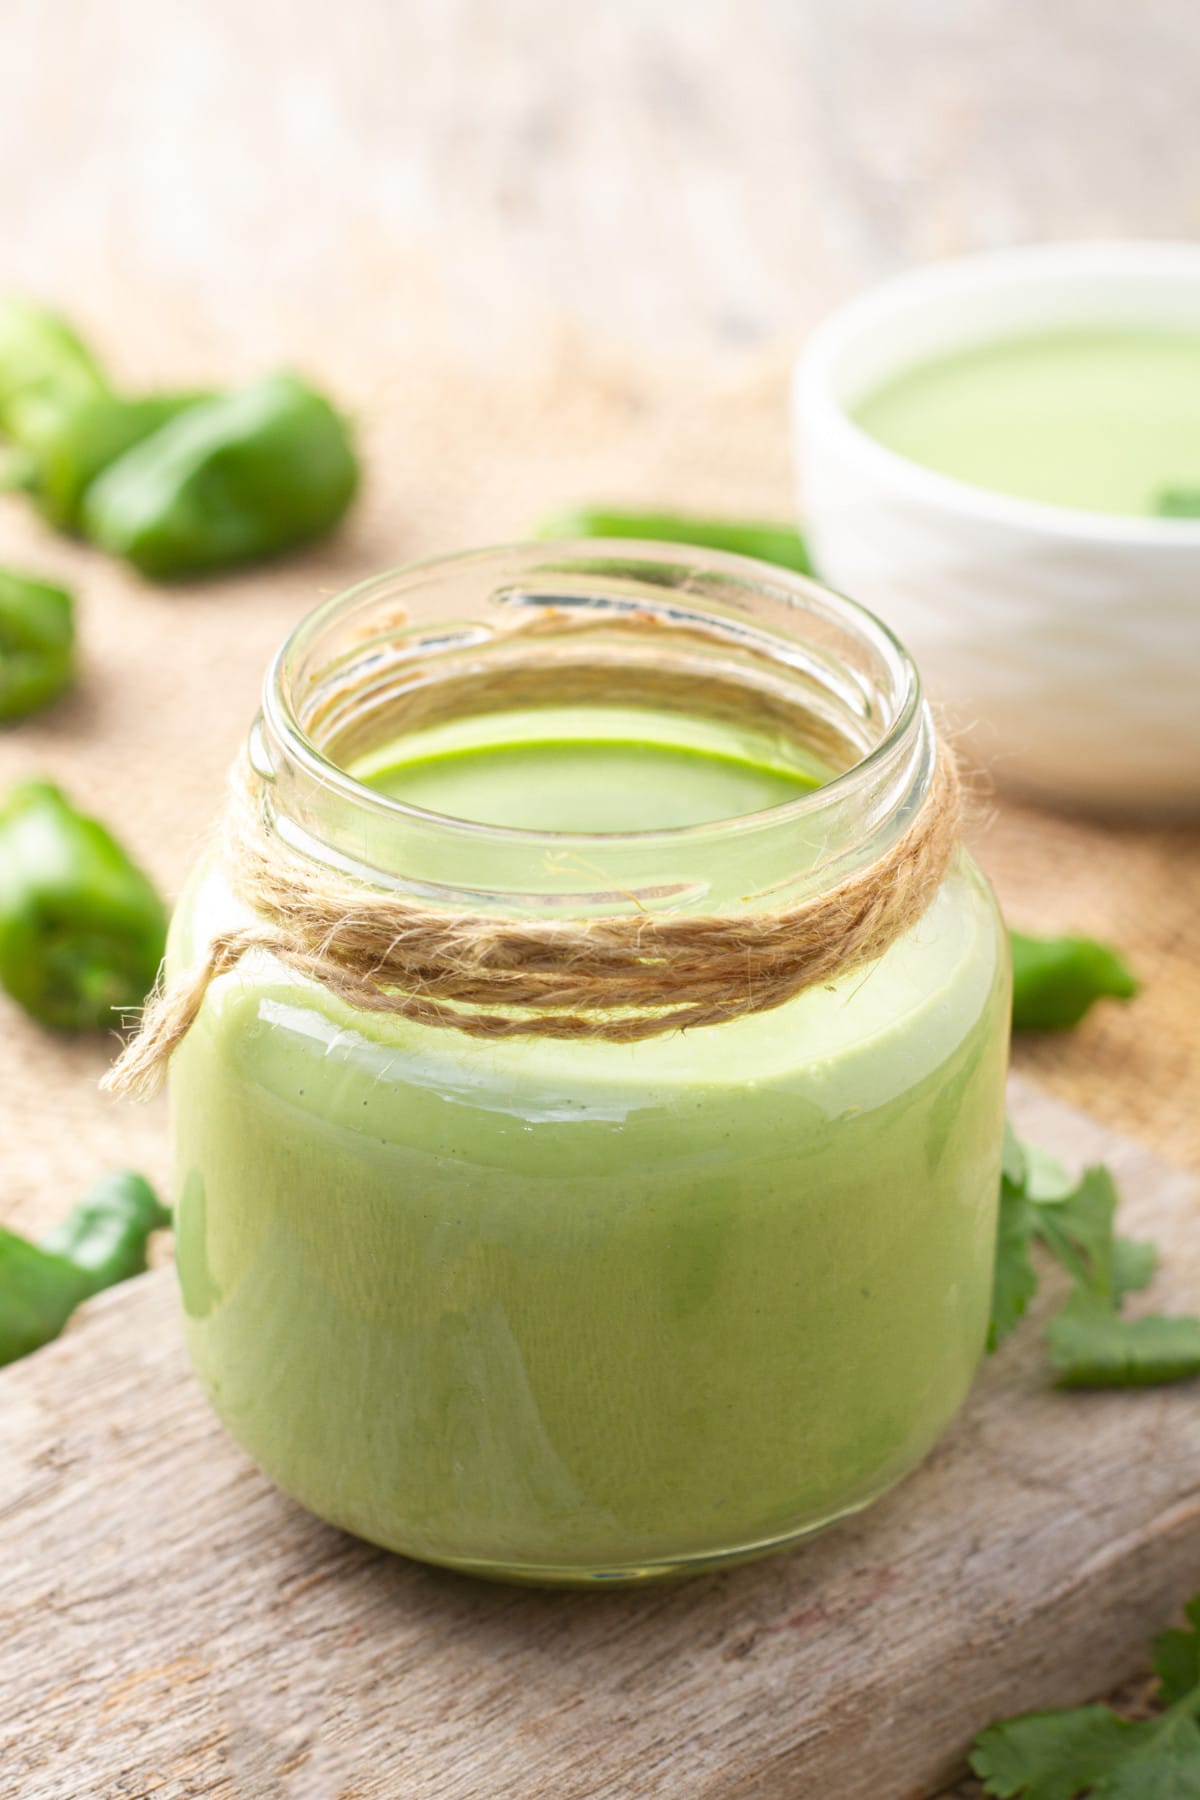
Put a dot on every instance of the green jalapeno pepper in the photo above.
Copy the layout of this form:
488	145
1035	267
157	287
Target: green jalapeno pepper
82	929
101	1241
83	442
38	1294
105	1235
230	480
46	372
745	537
37	643
1057	980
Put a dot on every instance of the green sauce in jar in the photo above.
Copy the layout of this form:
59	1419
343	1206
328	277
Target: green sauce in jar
580	1310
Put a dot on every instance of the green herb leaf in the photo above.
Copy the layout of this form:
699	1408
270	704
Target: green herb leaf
1045	1177
1078	1230
1076	1227
1178	503
1057	980
1177	1657
1014	1162
1090	1750
1091	1345
1134	1264
1014	1280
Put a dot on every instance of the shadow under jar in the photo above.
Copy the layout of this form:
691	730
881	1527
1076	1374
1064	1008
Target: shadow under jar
568	1311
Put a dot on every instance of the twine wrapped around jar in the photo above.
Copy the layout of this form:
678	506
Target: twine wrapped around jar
620	978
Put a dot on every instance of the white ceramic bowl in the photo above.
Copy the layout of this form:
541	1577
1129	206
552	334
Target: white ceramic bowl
1067	642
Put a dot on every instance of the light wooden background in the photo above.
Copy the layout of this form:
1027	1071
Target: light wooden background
685	174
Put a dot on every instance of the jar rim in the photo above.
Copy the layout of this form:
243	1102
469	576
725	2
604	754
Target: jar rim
801	595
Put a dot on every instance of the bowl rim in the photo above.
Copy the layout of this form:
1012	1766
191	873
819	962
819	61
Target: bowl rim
818	407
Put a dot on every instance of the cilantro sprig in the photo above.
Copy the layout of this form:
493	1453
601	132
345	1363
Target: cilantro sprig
1093	1750
1090	1343
1178	503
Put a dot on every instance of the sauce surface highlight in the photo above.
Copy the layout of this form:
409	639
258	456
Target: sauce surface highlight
590	769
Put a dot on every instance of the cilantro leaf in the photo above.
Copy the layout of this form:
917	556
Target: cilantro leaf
1177	1657
1014	1280
1078	1229
1045	1176
1178	503
1053	1755
1057	980
1091	1345
1133	1265
1092	1750
1014	1160
1163	1763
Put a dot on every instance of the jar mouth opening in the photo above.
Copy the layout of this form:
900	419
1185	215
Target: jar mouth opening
553	623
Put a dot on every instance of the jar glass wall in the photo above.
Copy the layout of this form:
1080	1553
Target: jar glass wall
568	1311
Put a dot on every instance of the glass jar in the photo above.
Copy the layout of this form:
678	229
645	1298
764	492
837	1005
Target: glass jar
579	1311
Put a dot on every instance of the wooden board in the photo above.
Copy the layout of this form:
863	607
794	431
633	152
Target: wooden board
172	1626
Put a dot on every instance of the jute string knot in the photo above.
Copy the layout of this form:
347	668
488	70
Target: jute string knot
619	978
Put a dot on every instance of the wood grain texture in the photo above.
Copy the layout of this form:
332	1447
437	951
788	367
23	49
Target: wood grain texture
172	1626
668	177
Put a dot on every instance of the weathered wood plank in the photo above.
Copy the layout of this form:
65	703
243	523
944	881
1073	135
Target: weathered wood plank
679	177
171	1626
